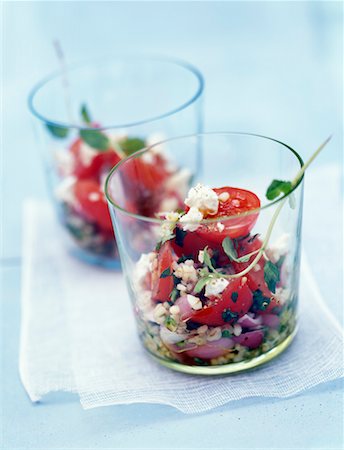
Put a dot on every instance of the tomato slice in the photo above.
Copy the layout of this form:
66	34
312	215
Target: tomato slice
239	201
234	302
102	163
145	175
163	286
92	203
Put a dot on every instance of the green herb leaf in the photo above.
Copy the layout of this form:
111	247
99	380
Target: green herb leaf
174	295
271	275
207	260
180	236
228	315
260	303
228	247
201	284
95	139
166	273
170	323
58	132
85	115
131	145
278	187
226	334
234	296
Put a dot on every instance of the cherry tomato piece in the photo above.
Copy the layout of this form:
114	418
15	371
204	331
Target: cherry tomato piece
162	279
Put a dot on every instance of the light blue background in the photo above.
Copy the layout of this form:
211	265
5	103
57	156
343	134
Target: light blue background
271	67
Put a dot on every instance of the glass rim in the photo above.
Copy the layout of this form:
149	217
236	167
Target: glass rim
120	57
203	221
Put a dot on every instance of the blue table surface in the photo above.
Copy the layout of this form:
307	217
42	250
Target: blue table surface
271	68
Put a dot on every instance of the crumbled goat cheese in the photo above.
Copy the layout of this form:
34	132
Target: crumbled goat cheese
194	302
167	228
65	162
220	226
186	271
191	219
201	256
279	248
143	266
203	198
154	140
215	287
179	181
169	204
87	153
282	295
65	190
94	197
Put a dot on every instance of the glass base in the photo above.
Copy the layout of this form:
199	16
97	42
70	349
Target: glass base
228	368
98	260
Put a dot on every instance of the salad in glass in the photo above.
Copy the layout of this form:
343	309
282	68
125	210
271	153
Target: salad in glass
214	283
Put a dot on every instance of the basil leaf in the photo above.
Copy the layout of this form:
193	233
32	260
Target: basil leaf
228	247
174	295
85	115
226	334
260	303
180	236
234	296
166	273
201	284
278	187
59	132
95	139
132	145
228	315
271	275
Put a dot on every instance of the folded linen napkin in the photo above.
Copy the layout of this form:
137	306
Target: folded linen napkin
78	334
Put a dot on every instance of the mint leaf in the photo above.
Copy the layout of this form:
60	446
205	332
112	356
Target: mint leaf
260	303
95	139
180	236
228	247
271	275
85	115
228	315
132	145
278	187
58	132
166	273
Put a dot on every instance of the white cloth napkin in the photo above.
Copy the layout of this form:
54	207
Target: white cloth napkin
78	334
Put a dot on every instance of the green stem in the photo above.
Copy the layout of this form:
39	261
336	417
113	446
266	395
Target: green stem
276	214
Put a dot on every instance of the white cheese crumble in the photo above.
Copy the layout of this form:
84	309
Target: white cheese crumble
279	247
94	197
65	162
203	198
179	182
216	287
191	219
201	256
194	302
169	204
282	295
220	226
65	190
87	153
143	266
167	228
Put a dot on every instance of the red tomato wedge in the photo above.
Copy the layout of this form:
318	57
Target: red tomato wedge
239	201
145	175
163	286
101	163
92	203
234	302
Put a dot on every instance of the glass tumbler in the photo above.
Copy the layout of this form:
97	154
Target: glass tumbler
212	295
92	115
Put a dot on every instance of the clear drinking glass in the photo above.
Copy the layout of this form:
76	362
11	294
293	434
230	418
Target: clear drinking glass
173	268
93	114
